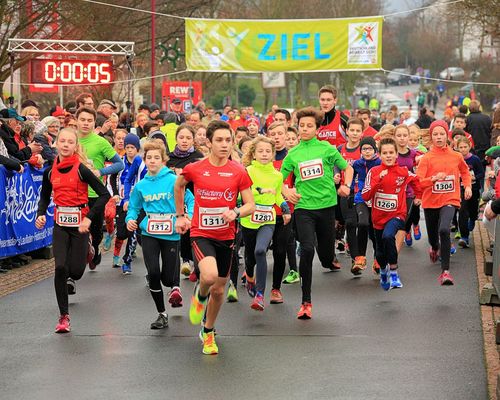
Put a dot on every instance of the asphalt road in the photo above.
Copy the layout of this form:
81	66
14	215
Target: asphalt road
420	342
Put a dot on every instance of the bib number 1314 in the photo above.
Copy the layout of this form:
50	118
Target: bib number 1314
311	169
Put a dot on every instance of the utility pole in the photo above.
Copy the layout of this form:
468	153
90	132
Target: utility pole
153	47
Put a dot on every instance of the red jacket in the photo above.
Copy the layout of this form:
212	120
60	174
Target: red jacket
387	196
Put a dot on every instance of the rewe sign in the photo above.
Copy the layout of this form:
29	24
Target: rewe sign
190	96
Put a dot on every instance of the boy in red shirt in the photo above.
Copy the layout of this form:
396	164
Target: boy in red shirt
385	188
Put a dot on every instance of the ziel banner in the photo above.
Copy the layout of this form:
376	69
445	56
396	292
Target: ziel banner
284	45
19	195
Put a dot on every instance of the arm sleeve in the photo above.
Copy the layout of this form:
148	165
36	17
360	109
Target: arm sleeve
464	173
10	163
113	180
45	193
187	173
478	170
414	182
134	206
422	172
371	185
130	178
279	200
94	182
337	159
286	167
189	203
114	168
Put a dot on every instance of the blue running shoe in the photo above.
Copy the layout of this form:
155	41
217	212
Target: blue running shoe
408	239
453	249
416	232
395	282
116	261
107	241
126	269
463	242
251	288
384	278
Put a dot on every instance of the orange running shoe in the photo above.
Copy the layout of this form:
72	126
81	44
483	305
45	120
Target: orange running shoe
305	311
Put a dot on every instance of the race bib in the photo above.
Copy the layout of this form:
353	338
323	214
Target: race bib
262	214
311	169
68	216
446	185
385	202
160	224
211	218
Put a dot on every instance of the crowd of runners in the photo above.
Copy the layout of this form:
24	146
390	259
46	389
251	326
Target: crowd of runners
196	191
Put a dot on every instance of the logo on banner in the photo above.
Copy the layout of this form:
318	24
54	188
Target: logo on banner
363	43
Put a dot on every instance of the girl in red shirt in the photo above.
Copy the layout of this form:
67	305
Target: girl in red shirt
68	179
385	190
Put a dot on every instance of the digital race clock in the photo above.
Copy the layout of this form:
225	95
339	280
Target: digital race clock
69	72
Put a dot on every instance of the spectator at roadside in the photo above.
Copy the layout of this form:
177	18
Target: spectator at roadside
479	126
11	121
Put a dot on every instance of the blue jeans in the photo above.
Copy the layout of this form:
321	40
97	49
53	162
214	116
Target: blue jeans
385	242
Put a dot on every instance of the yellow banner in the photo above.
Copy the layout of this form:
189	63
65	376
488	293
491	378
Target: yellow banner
284	45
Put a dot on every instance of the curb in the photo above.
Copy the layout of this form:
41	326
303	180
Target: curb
16	279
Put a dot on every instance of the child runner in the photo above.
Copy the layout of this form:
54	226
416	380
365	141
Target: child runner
292	138
68	180
469	209
217	183
350	151
135	170
312	162
440	171
283	242
385	188
407	158
368	160
258	228
155	194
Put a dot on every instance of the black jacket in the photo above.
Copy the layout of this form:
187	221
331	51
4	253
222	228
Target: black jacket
7	135
9	163
424	121
479	126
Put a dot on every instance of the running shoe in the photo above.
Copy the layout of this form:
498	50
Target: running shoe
197	308
108	238
464	242
96	260
445	279
192	277
416	232
394	281
116	261
453	249
209	345
305	311
454	228
251	286
292	277
408	239
186	268
244	278
161	322
375	267
175	297
70	283
258	302
126	269
384	278
457	235
433	255
358	265
340	246
276	297
232	293
63	326
336	266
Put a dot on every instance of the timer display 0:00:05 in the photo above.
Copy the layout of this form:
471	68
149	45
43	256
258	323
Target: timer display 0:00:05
76	72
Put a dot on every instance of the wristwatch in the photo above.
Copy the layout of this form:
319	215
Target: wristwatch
236	211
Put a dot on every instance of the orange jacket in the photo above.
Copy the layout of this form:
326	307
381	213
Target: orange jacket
447	191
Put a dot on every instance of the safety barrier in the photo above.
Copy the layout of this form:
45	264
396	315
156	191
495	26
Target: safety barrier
19	195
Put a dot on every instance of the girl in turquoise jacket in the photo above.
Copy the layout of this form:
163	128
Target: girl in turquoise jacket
155	194
258	228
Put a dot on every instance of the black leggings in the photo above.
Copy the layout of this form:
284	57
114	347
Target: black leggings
438	221
469	209
96	227
291	246
351	224
313	224
413	217
152	248
70	257
235	265
365	228
281	238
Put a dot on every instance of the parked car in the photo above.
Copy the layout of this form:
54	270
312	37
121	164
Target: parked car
361	88
397	77
373	87
452	73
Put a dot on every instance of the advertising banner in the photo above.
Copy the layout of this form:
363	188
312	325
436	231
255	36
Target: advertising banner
19	195
181	90
284	45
